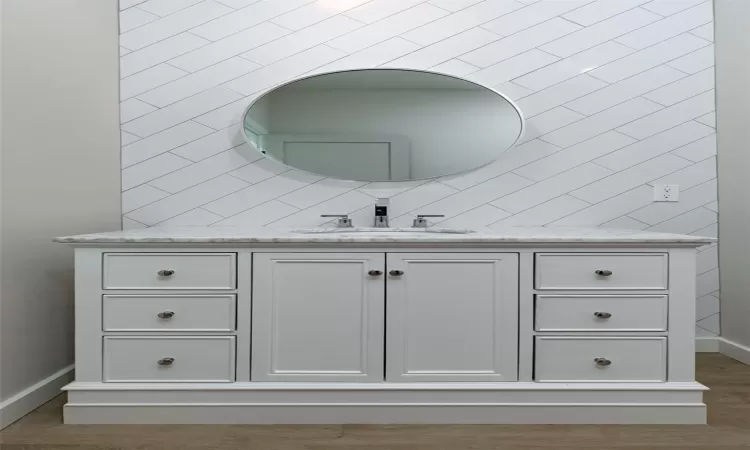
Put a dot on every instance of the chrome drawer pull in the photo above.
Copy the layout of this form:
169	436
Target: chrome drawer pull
165	273
602	362
165	361
602	315
165	315
603	272
375	273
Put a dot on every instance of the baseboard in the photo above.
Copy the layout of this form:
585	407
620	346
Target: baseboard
734	350
707	344
34	396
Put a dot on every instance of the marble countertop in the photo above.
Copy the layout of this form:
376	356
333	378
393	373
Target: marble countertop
517	235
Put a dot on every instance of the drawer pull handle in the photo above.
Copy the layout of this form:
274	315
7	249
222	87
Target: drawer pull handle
375	273
166	315
165	361
603	272
604	362
396	273
602	315
165	273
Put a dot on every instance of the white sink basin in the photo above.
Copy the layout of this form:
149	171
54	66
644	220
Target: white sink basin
360	230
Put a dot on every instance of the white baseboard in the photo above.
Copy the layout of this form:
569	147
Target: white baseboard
34	396
734	350
707	344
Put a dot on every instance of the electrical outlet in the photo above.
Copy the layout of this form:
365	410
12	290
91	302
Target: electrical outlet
666	192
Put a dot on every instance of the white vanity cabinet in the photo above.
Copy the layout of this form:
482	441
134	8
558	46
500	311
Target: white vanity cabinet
212	325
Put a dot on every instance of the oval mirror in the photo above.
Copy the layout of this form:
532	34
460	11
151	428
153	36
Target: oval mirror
383	125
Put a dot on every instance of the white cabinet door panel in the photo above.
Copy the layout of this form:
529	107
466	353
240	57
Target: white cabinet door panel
452	317
318	317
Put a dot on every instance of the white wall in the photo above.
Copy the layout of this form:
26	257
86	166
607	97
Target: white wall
618	96
60	172
733	113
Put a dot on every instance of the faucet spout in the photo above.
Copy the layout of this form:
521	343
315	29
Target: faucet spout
381	213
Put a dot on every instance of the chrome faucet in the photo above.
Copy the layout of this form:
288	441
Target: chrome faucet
381	213
421	220
343	220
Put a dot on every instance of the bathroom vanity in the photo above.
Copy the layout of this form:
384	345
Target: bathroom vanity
331	326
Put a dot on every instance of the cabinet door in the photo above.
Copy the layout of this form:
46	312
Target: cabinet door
318	317
452	317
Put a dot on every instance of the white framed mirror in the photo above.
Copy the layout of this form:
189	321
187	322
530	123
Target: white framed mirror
382	124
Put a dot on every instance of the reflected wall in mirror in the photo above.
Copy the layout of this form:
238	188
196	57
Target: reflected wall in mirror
383	125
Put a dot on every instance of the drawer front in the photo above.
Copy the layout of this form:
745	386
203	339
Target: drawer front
204	359
601	313
169	271
169	312
594	359
602	271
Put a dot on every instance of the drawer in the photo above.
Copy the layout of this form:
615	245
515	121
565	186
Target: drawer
602	271
202	359
594	359
170	270
601	313
169	312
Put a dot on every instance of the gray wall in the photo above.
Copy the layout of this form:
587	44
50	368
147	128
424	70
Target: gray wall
733	114
60	171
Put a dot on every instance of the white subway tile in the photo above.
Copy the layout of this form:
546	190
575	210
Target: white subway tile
198	82
602	122
513	91
187	200
302	40
708	305
446	49
380	9
238	4
611	209
283	70
195	218
630	178
166	7
546	122
690	199
672	116
134	18
699	150
455	67
461	21
162	142
314	12
479	217
544	213
600	32
127	138
653	146
387	28
227	115
180	112
683	89
373	56
174	24
707	283
133	108
262	169
319	192
124	51
125	4
574	156
532	15
709	119
454	5
696	61
669	7
160	52
601	10
520	42
141	196
419	196
260	215
212	144
625	90
130	224
708	260
205	170
687	222
150	169
245	18
512	68
559	94
228	47
343	204
387	189
649	58
705	32
691	175
149	79
552	187
625	223
573	66
669	27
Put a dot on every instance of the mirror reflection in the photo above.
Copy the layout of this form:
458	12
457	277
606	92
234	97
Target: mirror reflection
383	125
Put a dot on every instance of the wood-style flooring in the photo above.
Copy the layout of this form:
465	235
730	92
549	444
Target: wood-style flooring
728	429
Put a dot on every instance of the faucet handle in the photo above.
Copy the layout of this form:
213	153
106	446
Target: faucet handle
343	222
421	221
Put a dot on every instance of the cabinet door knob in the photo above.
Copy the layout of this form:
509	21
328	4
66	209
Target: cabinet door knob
375	273
603	272
602	362
165	361
602	315
165	273
165	315
396	273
